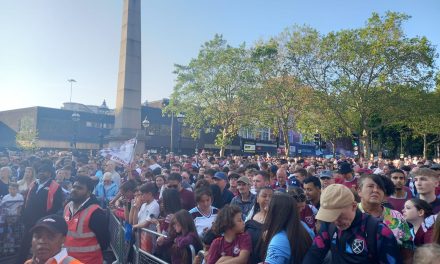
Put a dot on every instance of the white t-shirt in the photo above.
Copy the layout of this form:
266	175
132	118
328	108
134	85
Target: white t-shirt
147	210
12	204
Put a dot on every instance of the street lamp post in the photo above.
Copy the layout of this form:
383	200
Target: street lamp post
180	118
75	118
71	85
146	124
102	110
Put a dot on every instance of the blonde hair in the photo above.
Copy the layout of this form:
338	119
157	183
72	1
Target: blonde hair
427	254
426	172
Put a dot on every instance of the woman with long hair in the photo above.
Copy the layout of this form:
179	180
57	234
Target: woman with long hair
181	233
285	239
160	184
414	212
169	205
254	225
28	178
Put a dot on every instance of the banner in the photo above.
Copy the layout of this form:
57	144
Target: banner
123	154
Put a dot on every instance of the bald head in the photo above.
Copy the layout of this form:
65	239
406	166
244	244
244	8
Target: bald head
281	176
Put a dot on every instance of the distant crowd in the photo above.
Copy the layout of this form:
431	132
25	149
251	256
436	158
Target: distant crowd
231	209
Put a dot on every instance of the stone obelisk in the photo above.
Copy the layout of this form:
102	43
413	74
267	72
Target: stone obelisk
128	98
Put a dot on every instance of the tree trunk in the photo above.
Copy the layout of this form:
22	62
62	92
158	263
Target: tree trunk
286	143
333	148
222	151
425	146
365	144
223	143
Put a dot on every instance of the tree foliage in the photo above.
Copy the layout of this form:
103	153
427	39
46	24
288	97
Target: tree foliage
215	90
27	136
361	72
358	80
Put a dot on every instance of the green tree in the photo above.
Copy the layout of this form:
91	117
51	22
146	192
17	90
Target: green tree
363	74
318	118
215	90
282	97
27	136
424	118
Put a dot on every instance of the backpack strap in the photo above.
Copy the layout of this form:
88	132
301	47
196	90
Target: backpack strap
371	232
331	230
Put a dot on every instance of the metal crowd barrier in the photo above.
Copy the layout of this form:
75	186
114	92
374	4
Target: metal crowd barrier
144	247
117	239
11	228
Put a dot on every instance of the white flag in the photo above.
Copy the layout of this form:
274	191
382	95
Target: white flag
123	154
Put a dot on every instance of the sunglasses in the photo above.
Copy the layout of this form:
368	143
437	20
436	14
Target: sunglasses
299	197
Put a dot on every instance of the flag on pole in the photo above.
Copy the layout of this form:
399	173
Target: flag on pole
123	154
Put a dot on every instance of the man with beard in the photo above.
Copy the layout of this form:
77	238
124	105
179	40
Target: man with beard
402	194
87	225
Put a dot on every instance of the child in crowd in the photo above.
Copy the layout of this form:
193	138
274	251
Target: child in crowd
414	212
181	233
234	246
13	201
204	214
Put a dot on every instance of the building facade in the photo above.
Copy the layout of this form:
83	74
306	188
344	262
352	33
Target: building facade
86	128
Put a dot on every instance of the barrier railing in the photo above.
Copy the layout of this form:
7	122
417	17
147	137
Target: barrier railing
144	247
11	228
117	239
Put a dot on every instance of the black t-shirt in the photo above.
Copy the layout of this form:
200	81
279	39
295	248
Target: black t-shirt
4	189
435	206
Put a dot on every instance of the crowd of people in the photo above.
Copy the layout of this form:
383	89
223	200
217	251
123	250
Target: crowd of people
232	209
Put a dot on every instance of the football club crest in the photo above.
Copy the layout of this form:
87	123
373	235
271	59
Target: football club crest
358	246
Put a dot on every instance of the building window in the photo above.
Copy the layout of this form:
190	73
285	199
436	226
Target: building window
246	133
264	134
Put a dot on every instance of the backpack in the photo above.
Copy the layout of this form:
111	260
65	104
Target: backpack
371	224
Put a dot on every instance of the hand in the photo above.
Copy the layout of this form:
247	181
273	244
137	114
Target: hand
160	241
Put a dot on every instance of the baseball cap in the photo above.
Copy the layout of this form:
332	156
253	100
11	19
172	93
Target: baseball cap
221	176
334	199
435	166
344	168
326	174
244	179
55	223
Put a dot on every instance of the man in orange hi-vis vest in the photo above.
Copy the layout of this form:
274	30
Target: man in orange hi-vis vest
48	236
87	224
45	197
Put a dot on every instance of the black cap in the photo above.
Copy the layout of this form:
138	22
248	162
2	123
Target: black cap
345	168
54	223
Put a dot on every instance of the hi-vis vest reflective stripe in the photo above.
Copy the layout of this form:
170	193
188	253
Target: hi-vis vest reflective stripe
53	187
66	260
69	260
81	242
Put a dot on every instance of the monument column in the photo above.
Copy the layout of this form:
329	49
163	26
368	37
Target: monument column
128	98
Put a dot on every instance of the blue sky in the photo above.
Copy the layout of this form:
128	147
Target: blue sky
43	43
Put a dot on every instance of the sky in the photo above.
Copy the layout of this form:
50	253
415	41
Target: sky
43	43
